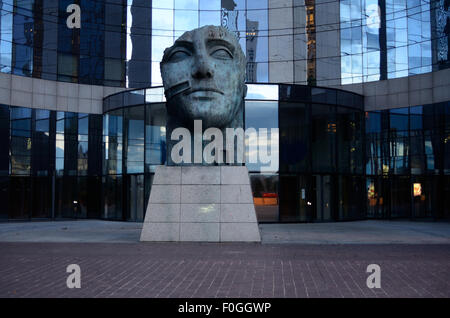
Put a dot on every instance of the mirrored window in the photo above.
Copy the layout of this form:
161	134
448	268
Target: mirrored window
185	20
262	116
162	4
209	18
210	5
186	4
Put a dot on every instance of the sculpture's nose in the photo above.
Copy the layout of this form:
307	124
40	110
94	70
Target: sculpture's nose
202	68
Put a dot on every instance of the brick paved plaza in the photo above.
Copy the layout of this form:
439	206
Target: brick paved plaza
222	270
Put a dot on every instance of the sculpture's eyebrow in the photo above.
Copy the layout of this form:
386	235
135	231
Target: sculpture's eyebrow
179	43
183	43
219	42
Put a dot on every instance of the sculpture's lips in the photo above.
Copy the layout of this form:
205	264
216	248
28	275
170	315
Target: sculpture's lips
204	89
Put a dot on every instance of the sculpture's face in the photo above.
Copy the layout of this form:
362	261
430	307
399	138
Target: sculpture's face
203	75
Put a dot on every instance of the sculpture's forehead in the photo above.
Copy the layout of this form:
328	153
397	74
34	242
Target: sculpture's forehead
207	33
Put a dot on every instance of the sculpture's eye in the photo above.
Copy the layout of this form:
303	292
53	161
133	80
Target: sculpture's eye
222	54
178	56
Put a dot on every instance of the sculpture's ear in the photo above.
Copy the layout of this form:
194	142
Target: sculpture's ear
245	90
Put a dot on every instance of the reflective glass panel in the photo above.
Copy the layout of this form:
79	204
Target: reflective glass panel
266	92
209	18
186	4
185	20
210	4
262	116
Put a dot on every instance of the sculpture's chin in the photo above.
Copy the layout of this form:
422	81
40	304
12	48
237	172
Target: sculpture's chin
208	120
217	113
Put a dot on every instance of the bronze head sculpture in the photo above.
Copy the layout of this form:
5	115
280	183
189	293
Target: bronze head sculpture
203	75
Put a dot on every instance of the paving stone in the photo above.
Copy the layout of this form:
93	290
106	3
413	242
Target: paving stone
200	194
230	212
200	175
208	212
167	175
234	175
161	231
163	212
200	232
223	270
165	194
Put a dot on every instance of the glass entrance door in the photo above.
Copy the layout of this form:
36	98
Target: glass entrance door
289	193
323	186
307	200
297	198
135	197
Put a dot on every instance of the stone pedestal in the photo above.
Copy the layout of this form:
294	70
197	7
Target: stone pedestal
199	203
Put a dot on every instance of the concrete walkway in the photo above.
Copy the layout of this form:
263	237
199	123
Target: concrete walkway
357	232
74	231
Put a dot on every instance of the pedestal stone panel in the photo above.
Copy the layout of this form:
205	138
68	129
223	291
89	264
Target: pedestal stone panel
196	203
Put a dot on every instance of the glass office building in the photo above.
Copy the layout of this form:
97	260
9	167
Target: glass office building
358	89
408	161
320	157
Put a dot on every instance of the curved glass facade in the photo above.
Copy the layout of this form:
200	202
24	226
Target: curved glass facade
335	161
319	171
392	38
50	164
121	42
408	161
